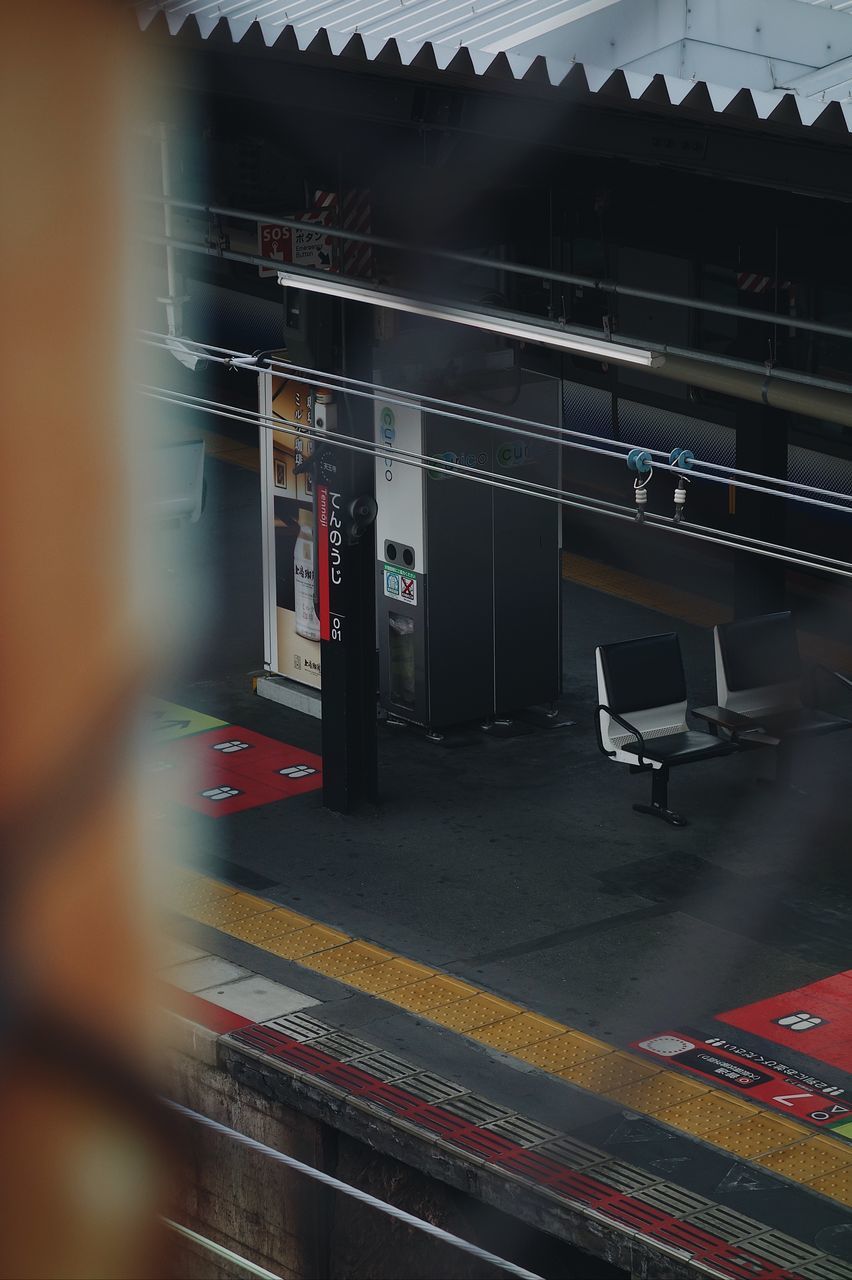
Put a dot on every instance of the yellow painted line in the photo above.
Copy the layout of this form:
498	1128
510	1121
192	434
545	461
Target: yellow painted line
685	606
815	1160
223	448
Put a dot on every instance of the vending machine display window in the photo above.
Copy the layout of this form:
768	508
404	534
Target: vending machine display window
402	659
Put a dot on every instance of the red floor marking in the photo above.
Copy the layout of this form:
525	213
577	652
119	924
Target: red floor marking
643	1217
344	1077
743	1265
537	1168
232	759
483	1143
580	1187
754	1080
587	1190
822	1032
243	751
686	1236
219	792
203	1012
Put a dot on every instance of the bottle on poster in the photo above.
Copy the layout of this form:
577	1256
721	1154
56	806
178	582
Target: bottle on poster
307	622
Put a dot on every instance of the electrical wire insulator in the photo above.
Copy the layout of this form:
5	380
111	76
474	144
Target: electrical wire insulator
683	460
640	493
639	460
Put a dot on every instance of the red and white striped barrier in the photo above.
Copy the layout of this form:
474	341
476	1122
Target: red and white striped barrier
311	248
752	282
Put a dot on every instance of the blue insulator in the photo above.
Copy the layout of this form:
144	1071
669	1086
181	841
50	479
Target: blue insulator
683	458
639	460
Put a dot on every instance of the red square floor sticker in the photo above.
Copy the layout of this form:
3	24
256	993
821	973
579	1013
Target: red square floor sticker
225	770
816	1020
218	792
288	769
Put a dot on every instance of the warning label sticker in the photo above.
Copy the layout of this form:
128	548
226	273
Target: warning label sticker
772	1083
400	584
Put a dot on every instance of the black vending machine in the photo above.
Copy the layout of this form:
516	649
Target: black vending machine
468	573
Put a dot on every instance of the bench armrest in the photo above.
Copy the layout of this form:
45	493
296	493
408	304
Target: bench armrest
625	724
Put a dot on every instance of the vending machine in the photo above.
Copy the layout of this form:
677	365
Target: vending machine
468	569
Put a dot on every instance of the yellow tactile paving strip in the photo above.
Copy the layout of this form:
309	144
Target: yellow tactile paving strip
817	1161
806	1161
390	975
432	993
520	1031
701	1115
352	956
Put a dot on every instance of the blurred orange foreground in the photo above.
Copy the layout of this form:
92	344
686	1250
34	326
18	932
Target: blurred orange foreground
79	1181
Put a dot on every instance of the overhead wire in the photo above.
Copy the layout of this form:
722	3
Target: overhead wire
355	445
730	540
435	463
446	408
564	436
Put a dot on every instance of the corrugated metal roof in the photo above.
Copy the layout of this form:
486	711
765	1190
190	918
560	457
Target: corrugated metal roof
787	60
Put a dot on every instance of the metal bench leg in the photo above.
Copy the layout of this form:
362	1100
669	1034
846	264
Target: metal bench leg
659	806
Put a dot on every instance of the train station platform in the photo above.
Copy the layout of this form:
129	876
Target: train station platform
567	986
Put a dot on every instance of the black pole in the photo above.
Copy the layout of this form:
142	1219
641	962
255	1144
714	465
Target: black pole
346	560
762	437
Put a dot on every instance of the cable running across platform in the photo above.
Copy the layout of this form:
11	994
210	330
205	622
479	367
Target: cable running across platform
337	382
495	420
598	506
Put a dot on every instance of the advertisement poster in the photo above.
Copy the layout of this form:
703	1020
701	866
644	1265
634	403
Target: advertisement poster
292	615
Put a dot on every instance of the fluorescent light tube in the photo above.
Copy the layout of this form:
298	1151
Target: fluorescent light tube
541	335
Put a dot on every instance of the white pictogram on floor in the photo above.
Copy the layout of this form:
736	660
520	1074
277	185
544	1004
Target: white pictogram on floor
233	745
220	793
801	1021
297	771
